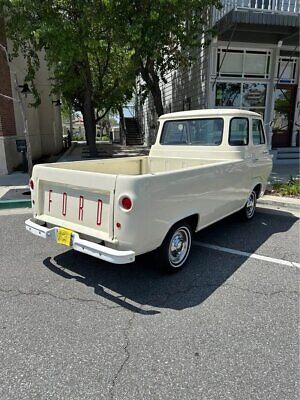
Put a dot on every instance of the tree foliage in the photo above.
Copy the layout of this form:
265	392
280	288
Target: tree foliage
96	48
161	35
89	68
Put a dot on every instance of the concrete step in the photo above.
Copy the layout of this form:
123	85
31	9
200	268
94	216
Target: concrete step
288	150
134	137
133	130
134	142
286	156
286	161
133	134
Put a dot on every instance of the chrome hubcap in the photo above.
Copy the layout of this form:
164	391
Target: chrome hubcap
250	206
179	246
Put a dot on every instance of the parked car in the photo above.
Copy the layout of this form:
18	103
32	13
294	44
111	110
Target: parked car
204	166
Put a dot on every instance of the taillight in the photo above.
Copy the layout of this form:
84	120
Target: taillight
126	203
31	184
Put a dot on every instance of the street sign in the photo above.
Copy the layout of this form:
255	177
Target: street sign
21	145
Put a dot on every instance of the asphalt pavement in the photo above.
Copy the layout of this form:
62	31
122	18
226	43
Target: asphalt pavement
226	327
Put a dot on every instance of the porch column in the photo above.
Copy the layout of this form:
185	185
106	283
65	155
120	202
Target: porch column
270	97
296	124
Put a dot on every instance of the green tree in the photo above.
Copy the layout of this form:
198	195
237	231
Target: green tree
90	69
161	35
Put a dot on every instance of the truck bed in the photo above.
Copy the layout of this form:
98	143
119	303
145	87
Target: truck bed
135	165
81	195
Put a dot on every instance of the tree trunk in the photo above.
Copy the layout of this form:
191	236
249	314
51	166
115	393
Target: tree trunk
71	122
123	130
89	119
151	78
89	124
156	94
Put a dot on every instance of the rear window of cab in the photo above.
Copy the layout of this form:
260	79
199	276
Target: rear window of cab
200	131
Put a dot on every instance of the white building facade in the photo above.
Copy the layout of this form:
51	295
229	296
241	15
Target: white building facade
44	121
252	63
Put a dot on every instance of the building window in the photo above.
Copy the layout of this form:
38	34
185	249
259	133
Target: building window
254	95
239	132
186	104
228	94
257	132
230	63
282	108
248	96
286	69
243	63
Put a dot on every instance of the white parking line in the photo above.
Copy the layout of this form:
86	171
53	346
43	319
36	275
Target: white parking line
248	255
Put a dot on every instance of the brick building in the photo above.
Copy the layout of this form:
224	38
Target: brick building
44	122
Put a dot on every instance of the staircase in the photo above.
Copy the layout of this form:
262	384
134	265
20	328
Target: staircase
287	155
133	135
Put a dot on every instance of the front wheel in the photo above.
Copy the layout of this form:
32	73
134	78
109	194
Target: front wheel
248	211
176	247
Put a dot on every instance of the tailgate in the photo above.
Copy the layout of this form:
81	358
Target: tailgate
78	200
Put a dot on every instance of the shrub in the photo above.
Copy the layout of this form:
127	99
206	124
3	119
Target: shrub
291	188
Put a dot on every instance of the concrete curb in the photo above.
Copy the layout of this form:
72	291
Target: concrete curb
285	202
5	204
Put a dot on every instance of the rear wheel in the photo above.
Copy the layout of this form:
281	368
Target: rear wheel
248	211
176	247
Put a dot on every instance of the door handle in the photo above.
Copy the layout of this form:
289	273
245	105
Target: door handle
265	152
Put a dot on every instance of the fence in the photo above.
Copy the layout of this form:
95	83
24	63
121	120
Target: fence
270	6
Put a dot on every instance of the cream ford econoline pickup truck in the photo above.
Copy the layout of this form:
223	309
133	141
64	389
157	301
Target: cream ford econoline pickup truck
204	166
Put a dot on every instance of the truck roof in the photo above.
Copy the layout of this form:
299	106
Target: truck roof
212	112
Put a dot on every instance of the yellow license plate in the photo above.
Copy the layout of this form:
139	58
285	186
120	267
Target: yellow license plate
64	236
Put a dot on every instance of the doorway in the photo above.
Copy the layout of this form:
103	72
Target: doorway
284	108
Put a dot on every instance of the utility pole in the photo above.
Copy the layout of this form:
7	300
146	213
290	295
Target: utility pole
23	112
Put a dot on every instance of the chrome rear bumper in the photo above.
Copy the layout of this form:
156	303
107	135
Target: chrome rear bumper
83	246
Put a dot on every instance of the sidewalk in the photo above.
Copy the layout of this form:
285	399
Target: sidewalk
80	151
14	179
12	187
277	201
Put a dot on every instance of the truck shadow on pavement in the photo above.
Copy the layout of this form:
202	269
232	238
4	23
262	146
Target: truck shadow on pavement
141	286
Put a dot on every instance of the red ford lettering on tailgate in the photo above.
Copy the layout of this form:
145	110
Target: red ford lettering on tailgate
49	200
80	210
99	212
64	204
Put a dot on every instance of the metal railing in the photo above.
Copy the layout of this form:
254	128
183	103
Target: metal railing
270	6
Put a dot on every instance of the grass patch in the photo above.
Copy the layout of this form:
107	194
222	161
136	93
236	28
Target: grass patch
104	137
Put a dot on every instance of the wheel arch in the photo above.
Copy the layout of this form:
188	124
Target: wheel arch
257	189
192	220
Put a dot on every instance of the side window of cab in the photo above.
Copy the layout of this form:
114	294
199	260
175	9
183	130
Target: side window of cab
258	134
239	132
